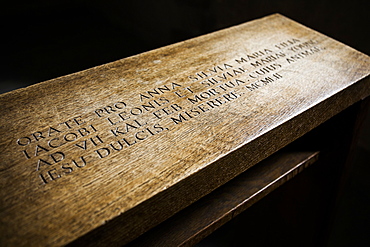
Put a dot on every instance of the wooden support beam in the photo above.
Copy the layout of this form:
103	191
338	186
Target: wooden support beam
206	215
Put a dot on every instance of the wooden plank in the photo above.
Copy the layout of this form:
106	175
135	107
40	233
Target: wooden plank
117	149
206	215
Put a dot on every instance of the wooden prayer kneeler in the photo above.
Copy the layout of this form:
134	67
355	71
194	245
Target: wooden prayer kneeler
102	156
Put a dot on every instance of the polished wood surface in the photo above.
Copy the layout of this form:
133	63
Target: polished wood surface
119	148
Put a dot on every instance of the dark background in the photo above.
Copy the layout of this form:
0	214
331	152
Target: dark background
47	39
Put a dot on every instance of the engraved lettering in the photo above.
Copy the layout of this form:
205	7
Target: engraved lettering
158	91
66	123
141	137
57	156
127	127
83	132
52	130
26	154
303	54
179	119
252	86
77	120
53	175
23	141
52	143
194	100
103	152
39	149
70	137
267	80
203	95
38	136
42	162
94	140
128	143
230	96
119	105
117	132
241	60
167	111
163	89
264	81
110	109
136	111
80	165
67	167
82	146
267	59
204	107
179	95
97	139
159	128
286	43
254	55
210	82
115	146
43	178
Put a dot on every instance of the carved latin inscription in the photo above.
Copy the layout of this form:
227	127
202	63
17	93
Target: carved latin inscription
153	112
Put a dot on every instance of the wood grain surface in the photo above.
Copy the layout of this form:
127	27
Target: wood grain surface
105	154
